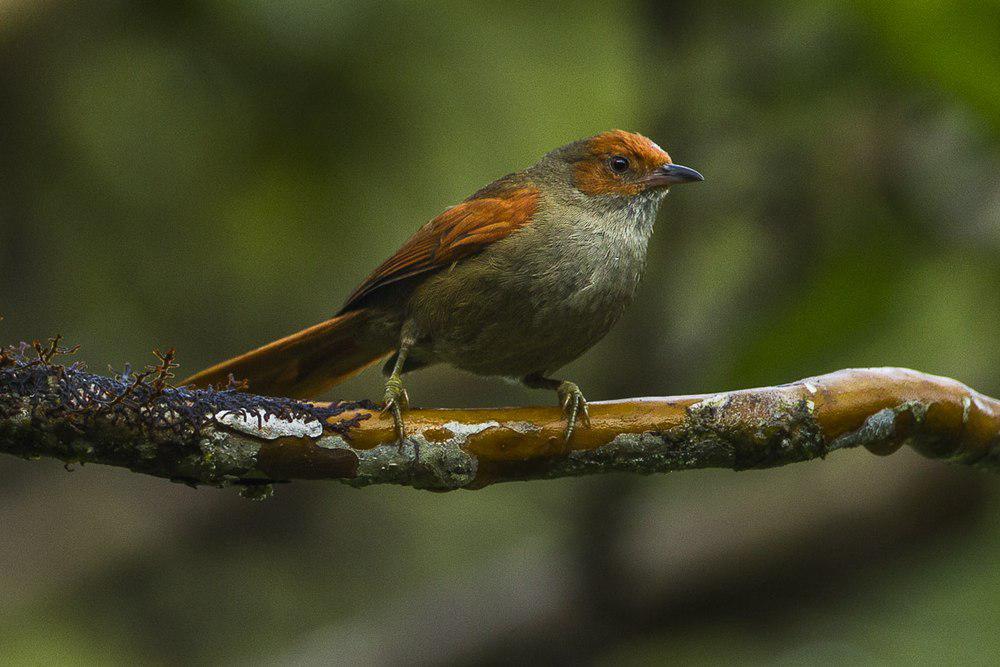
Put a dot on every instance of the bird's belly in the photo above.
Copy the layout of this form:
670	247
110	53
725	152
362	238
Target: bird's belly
515	323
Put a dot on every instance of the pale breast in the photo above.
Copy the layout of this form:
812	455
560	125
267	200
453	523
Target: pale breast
537	299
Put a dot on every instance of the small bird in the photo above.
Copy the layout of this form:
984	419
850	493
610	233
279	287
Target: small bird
516	281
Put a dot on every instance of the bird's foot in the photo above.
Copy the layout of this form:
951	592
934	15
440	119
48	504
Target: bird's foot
397	401
574	405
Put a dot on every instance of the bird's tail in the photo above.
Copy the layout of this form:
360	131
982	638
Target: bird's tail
304	364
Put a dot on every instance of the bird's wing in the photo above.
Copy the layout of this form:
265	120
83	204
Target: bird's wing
491	214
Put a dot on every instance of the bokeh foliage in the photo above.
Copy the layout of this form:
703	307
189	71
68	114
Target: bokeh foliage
210	175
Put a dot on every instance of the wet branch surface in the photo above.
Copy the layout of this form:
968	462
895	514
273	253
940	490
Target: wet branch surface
230	438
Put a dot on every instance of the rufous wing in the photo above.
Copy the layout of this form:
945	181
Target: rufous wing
491	214
307	363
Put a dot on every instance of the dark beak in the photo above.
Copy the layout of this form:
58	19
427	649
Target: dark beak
669	174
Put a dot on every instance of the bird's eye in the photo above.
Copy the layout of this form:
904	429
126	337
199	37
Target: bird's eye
618	164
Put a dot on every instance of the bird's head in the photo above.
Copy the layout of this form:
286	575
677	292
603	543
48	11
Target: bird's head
621	164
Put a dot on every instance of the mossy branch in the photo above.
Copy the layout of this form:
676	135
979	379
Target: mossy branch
230	438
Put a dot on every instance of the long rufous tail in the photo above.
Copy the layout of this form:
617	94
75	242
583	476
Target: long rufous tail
304	364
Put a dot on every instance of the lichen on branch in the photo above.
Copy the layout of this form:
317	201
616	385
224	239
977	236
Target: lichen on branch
228	437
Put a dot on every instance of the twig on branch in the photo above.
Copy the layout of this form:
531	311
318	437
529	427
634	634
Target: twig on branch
227	437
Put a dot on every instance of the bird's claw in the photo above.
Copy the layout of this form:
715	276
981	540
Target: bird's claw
574	405
397	401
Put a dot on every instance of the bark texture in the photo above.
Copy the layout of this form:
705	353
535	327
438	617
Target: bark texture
229	438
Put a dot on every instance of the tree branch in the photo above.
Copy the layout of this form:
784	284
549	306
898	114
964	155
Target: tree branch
225	437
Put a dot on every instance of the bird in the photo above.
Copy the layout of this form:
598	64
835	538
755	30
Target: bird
516	281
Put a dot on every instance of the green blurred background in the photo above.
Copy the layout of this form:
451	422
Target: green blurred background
211	175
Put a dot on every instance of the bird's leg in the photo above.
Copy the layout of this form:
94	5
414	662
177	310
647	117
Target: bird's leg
570	398
397	401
